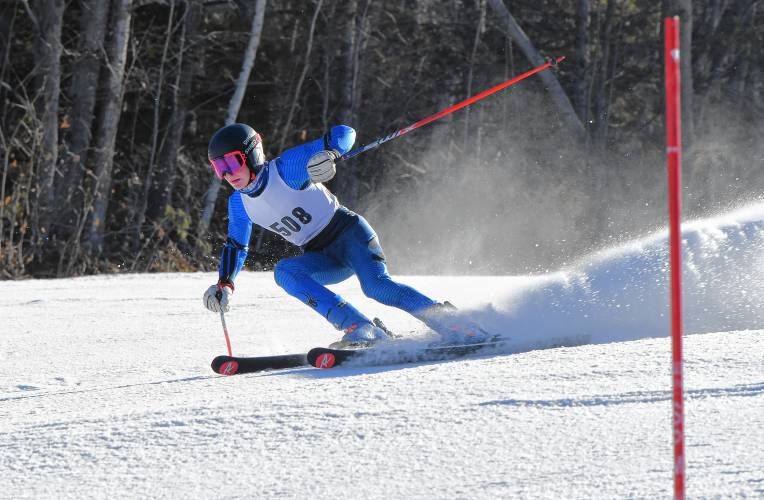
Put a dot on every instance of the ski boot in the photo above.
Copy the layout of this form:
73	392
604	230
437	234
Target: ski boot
453	328
358	336
378	323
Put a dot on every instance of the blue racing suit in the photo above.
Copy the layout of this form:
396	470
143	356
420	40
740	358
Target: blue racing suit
347	245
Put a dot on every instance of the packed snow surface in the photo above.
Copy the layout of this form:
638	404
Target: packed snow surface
106	390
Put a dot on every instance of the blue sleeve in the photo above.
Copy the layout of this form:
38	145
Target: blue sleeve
293	163
235	250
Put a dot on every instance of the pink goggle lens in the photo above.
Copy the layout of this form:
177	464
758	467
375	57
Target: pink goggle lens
230	163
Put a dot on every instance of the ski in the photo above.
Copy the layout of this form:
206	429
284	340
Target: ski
324	357
231	365
387	353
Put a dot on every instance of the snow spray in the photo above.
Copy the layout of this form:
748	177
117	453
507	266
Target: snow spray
622	293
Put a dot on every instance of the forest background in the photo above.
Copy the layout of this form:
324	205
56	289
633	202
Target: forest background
106	109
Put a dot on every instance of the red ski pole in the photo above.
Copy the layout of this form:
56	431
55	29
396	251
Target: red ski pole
550	63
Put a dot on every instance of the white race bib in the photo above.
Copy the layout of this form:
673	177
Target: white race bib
296	215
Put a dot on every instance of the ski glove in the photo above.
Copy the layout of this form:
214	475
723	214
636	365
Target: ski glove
321	166
217	296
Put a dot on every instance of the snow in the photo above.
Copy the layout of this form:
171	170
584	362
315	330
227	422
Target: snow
106	390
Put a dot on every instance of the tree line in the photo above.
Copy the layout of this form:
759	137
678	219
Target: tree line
106	108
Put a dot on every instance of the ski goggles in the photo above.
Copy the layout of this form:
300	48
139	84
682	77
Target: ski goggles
230	163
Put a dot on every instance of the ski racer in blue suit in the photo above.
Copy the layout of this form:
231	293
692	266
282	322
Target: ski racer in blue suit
286	195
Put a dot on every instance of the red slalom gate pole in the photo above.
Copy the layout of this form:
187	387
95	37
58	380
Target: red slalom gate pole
448	111
674	158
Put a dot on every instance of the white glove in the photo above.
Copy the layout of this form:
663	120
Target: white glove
321	166
216	298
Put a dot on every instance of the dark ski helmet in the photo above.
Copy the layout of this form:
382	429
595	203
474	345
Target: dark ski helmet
237	137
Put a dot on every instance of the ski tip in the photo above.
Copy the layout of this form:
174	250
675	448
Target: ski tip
229	368
225	365
325	360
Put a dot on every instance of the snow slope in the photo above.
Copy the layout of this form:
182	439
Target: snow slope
105	387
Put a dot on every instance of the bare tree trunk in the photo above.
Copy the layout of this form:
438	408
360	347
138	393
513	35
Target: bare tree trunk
513	30
606	67
7	21
580	65
6	154
347	184
108	121
745	14
327	91
609	78
148	179
509	71
48	50
191	55
82	93
20	213
709	18
303	74
7	18
470	73
362	38
688	121
347	87
233	110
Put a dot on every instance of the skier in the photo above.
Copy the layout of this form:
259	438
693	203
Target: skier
286	196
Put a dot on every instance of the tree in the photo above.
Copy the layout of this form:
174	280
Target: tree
140	213
581	61
471	72
305	67
48	71
514	31
255	33
108	121
190	55
131	113
355	28
604	74
77	135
